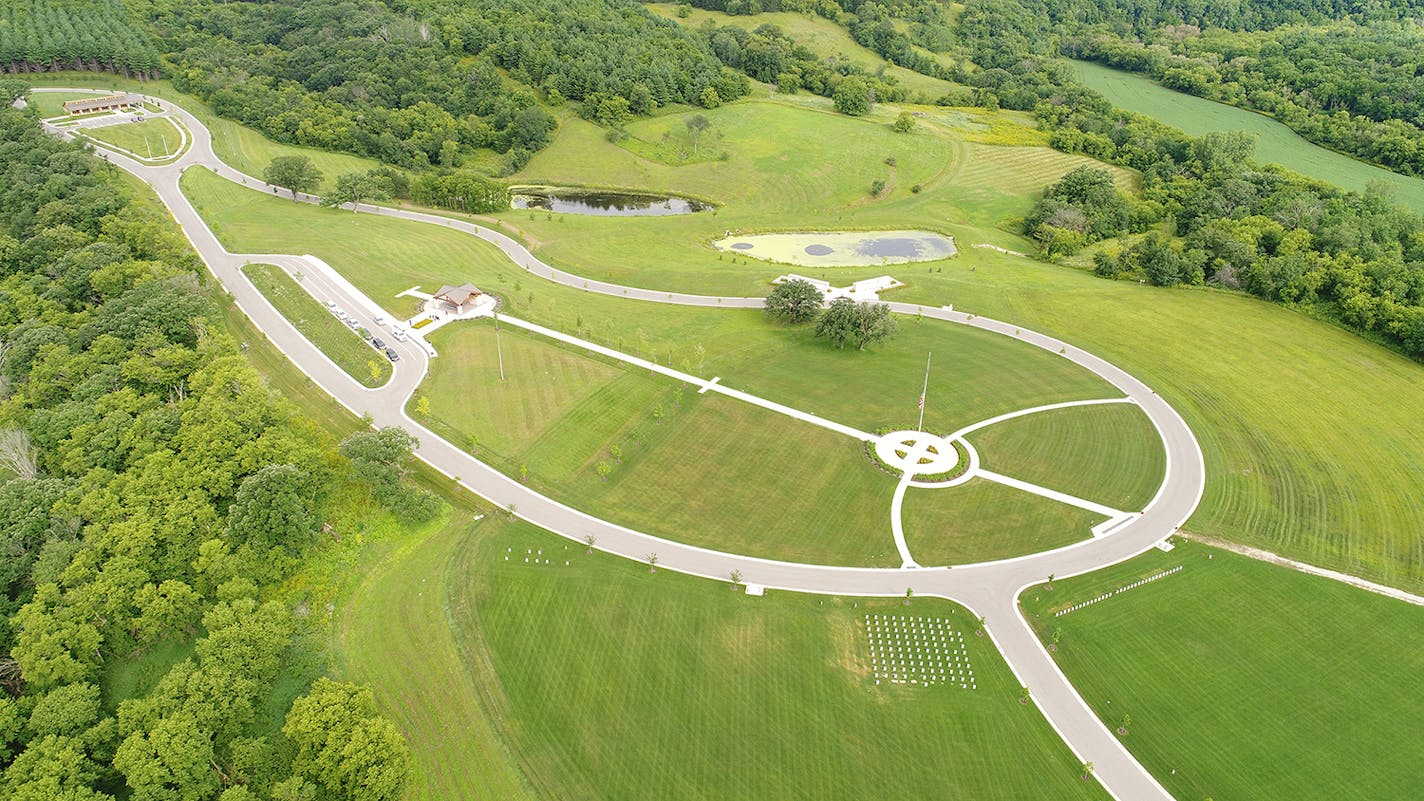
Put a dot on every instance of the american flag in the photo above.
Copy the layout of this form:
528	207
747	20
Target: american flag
922	401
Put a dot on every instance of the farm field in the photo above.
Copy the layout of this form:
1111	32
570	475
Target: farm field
156	139
1108	454
341	344
1275	143
612	682
1244	679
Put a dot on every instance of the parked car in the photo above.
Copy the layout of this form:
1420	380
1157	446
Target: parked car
392	355
378	344
331	304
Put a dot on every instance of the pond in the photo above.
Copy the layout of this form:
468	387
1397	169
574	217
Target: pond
603	203
842	248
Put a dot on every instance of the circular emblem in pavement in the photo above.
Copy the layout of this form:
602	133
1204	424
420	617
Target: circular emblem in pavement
917	452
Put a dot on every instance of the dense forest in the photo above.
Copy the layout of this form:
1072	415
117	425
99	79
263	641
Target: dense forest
39	36
155	496
428	82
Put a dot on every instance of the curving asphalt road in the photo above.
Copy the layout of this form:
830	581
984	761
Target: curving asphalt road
989	589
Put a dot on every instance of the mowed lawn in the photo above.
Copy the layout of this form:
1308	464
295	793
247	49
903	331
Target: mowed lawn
1247	680
1275	142
158	138
977	374
1109	454
610	682
703	469
51	104
340	343
980	520
1286	470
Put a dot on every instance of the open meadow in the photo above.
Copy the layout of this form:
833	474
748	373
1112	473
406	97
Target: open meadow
1243	679
1275	142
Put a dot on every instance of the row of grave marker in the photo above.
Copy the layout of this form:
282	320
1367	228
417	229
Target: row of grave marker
1118	591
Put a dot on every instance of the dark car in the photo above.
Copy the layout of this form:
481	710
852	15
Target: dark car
392	355
378	344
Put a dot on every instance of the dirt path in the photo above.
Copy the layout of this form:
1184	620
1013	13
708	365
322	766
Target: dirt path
1275	559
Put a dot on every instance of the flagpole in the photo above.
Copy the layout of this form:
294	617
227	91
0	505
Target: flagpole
923	392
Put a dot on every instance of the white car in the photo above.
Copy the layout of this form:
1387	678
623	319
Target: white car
379	320
399	334
331	304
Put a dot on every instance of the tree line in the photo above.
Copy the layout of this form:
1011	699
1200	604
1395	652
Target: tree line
1349	87
154	489
47	35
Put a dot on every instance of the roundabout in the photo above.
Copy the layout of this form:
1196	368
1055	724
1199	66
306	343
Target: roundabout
990	589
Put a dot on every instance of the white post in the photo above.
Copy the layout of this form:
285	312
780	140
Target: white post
923	392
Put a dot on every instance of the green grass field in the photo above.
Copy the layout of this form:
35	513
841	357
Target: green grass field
819	35
608	682
706	472
1247	680
977	374
1294	476
51	104
780	177
158	139
341	344
1107	454
979	521
1275	143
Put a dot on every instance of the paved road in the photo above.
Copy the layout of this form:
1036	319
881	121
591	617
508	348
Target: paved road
989	589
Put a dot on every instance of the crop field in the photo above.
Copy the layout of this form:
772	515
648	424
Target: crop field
1108	454
156	139
1274	141
1243	679
340	344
